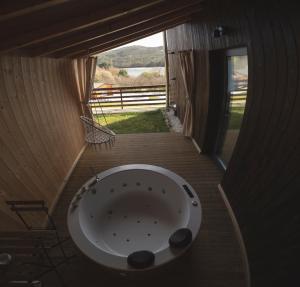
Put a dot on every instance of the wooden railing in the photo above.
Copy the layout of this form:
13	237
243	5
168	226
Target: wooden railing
122	97
238	96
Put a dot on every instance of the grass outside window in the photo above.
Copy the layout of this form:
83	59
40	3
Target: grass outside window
142	122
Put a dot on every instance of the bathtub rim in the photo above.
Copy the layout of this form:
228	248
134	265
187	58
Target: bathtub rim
119	263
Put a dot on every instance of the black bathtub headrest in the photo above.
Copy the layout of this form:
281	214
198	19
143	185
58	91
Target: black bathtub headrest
181	238
141	259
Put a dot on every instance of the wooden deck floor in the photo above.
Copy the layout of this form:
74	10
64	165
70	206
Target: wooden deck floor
213	260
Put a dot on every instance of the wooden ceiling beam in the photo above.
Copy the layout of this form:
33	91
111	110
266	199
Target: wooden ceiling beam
26	30
138	36
126	32
15	8
130	38
163	9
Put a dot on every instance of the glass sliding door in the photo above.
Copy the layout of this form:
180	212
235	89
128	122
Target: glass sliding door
234	103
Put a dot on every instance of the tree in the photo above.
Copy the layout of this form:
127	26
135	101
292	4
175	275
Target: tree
123	73
104	65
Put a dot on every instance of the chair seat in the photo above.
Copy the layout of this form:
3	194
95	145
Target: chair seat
95	133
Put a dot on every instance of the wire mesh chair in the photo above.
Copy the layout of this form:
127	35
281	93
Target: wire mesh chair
95	133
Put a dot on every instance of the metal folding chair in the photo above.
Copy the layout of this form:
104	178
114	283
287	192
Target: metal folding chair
44	239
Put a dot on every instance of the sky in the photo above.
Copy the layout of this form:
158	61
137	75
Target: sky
151	41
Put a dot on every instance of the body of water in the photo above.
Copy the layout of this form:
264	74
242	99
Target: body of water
135	72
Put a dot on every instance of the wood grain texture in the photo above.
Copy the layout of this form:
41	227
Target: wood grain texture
40	131
215	258
60	19
15	8
162	11
76	23
150	27
262	179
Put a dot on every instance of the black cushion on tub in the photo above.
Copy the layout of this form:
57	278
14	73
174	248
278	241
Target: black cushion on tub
141	259
181	238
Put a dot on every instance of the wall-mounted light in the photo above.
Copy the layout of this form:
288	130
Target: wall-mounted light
174	108
219	32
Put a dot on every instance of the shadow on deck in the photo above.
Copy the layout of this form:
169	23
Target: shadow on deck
214	259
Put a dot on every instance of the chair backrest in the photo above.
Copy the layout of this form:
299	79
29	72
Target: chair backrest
38	207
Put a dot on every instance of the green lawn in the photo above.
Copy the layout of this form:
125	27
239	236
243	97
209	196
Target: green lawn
236	117
126	123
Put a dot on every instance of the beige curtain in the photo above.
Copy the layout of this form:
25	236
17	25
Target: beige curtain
84	72
187	64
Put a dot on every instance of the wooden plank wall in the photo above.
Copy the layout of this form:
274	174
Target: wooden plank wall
40	131
262	180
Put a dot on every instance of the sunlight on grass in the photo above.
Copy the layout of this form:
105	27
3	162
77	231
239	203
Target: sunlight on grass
125	123
236	117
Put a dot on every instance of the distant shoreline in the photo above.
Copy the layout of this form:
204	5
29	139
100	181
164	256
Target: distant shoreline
131	76
142	66
137	71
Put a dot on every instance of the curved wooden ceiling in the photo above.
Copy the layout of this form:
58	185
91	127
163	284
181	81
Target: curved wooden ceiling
76	28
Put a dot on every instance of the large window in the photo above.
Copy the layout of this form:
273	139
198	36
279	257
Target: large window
234	104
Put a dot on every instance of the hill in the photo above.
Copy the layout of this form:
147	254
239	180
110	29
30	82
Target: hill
133	56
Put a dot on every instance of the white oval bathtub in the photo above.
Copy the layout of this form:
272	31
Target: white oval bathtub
133	208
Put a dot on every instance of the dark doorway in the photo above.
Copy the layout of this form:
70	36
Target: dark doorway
233	103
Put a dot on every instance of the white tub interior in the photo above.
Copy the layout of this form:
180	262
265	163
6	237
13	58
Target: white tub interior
136	211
